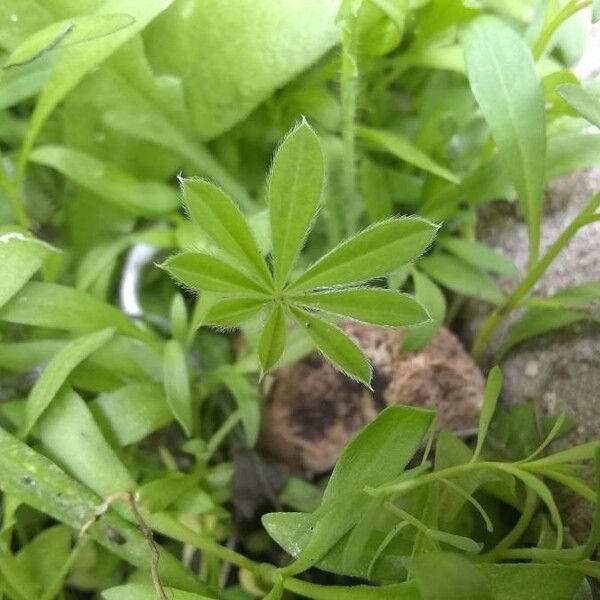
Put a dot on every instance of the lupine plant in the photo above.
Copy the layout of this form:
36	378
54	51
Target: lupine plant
129	437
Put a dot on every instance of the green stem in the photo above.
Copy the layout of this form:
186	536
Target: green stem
226	427
349	96
513	536
585	217
550	29
9	189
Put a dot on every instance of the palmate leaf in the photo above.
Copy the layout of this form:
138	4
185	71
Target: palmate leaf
295	187
232	294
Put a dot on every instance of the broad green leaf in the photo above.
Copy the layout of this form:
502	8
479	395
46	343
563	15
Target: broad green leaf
131	413
503	79
58	370
43	557
295	187
65	33
400	147
369	305
73	440
531	581
142	591
461	277
109	182
596	11
221	221
430	296
177	385
446	576
38	482
491	394
78	60
233	311
480	256
275	42
379	453
60	307
374	252
336	346
247	398
21	255
272	338
587	105
205	272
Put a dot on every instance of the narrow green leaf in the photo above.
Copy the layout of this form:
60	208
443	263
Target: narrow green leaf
21	255
246	397
23	82
460	542
143	591
505	84
582	101
199	271
272	338
369	305
131	413
78	60
461	277
61	307
221	221
111	183
491	394
434	301
374	252
177	385
57	372
295	187
74	441
38	482
159	494
400	147
234	311
596	11
480	256
336	346
65	33
536	322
